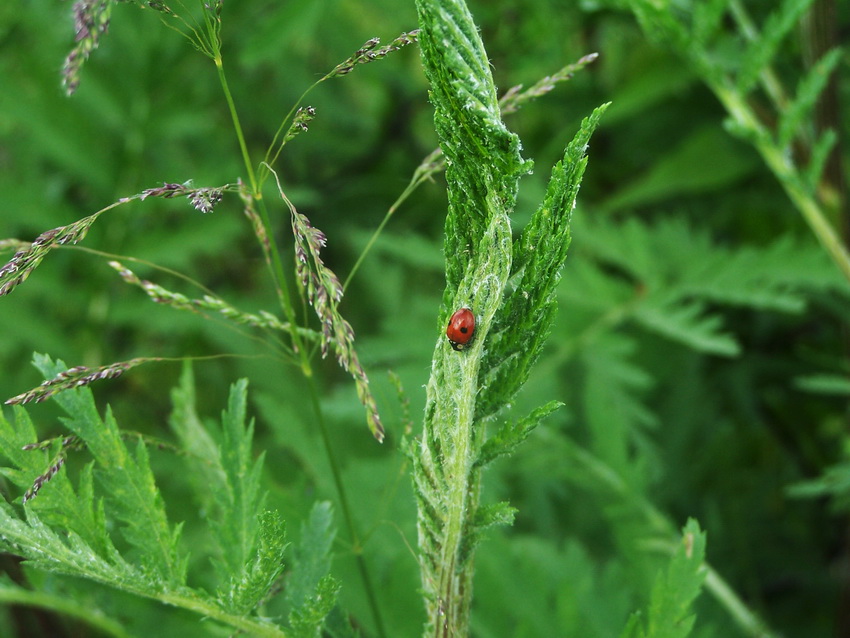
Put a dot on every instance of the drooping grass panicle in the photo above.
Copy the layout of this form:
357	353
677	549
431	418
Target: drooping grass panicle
370	52
324	292
76	377
515	97
55	465
512	100
250	211
303	116
209	303
258	225
68	442
202	199
91	21
28	257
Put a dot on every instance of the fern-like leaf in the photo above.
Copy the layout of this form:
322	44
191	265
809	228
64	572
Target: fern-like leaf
670	614
203	456
689	324
486	516
312	556
508	438
133	497
808	91
523	323
762	49
613	409
254	581
707	19
483	160
306	621
821	150
237	529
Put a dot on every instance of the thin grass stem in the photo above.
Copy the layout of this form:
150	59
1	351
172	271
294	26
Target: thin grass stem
356	545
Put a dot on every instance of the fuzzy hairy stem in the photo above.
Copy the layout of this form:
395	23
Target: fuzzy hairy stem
470	389
482	169
451	443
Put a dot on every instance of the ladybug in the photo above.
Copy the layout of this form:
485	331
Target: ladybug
461	328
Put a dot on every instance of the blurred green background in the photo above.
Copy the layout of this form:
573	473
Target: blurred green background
675	216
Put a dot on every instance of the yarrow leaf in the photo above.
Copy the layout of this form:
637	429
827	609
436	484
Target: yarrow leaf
507	286
670	614
522	324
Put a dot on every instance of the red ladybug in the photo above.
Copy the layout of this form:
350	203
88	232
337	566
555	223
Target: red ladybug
461	328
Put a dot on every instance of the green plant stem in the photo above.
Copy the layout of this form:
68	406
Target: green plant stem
289	311
249	626
277	264
786	173
449	449
243	147
423	172
65	606
356	545
183	598
664	529
728	599
769	80
449	613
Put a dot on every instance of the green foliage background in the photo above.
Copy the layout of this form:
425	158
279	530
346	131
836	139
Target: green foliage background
696	314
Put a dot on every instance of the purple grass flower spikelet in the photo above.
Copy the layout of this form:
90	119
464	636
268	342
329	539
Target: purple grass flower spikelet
256	221
159	6
303	116
205	199
91	21
166	190
39	482
202	199
71	441
324	292
515	96
74	378
25	260
208	303
369	52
